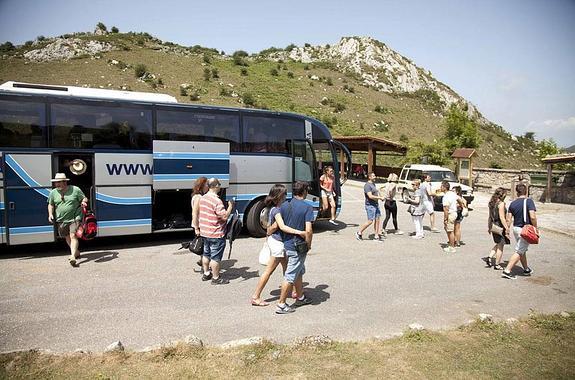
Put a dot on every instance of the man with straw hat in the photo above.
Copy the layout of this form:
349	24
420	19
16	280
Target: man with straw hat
67	201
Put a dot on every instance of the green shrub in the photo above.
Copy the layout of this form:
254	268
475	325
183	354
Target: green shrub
41	38
225	91
329	82
307	45
403	139
244	72
6	47
274	72
207	58
290	47
324	101
495	165
381	126
28	43
101	26
347	88
115	30
140	70
248	99
306	67
215	73
339	107
290	74
194	96
160	82
207	74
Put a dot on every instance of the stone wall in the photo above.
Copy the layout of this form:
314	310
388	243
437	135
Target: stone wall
562	188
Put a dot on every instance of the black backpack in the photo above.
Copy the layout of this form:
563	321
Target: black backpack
233	229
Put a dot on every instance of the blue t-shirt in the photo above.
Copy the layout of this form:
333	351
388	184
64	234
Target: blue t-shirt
296	218
516	209
273	212
370	187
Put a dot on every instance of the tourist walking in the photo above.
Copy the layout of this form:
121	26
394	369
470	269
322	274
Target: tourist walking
498	228
461	206
417	208
296	214
327	194
65	204
199	189
521	211
428	201
449	203
275	198
213	218
389	203
372	199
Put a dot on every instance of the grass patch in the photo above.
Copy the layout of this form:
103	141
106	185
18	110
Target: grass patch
541	346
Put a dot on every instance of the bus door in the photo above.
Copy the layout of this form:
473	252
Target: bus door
2	213
27	184
123	200
342	165
177	165
304	168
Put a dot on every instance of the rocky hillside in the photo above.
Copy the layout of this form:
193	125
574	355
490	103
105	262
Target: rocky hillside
357	86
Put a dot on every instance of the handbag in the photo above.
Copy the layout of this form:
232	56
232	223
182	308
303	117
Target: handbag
301	247
88	227
464	212
495	229
197	245
411	209
528	232
265	254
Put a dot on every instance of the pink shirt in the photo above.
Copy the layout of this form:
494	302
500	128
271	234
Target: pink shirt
326	182
212	216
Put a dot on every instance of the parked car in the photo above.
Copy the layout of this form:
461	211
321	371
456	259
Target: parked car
438	174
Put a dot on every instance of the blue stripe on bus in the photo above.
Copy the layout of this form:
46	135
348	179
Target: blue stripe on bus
1	205
123	201
189	156
188	177
124	223
25	176
30	230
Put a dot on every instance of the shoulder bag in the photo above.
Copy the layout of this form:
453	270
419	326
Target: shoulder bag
528	232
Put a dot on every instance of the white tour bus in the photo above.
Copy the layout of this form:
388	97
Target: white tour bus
140	153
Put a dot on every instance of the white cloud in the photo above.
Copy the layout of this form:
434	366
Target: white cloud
560	130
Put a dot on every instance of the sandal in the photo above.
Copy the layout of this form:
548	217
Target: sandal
258	302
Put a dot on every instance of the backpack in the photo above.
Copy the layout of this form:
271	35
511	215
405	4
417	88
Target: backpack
88	228
233	229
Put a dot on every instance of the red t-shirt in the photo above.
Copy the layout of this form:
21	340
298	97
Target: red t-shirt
212	216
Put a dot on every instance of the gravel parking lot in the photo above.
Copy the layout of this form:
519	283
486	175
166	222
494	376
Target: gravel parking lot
143	291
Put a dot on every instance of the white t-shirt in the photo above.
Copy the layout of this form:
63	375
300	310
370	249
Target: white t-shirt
427	187
450	199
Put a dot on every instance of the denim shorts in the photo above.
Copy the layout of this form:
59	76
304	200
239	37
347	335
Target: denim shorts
295	266
372	212
214	248
521	245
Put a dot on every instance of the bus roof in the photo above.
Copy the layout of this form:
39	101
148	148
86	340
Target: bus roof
94	93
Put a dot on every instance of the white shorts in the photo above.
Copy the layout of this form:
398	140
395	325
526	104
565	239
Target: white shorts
521	245
428	207
276	247
326	194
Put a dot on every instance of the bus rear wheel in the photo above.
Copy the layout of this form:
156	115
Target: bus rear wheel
256	221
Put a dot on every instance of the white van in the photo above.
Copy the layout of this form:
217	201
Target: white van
438	174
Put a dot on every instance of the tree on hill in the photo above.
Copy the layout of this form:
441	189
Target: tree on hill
6	47
460	131
101	26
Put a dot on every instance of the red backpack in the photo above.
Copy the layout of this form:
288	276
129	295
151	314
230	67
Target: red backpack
88	228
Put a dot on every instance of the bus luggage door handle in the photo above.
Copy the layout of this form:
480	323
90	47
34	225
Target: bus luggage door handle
11	206
189	166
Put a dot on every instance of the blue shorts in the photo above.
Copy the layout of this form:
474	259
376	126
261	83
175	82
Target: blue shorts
214	248
295	266
372	212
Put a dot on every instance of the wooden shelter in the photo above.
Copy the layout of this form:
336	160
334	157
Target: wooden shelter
551	159
371	145
464	167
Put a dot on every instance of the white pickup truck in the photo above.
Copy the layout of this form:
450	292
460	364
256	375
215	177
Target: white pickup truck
438	174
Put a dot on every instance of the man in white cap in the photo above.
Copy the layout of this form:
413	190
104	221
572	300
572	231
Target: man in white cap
66	201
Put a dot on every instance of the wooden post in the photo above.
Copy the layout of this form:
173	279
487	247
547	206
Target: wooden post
549	177
369	158
342	173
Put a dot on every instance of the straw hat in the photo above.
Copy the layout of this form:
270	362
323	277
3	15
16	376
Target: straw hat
78	167
60	177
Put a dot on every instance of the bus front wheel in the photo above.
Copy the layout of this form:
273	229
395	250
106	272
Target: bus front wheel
256	221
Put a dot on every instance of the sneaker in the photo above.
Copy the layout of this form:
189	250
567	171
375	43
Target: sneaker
398	232
298	302
417	237
498	267
487	261
528	271
284	310
449	250
72	262
207	277
358	236
379	238
508	275
333	222
220	281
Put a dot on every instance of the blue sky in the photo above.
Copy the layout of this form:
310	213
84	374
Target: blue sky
514	59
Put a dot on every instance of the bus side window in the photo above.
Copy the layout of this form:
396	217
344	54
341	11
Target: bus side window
264	134
22	124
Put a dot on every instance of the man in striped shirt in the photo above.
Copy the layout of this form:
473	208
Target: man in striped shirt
213	218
